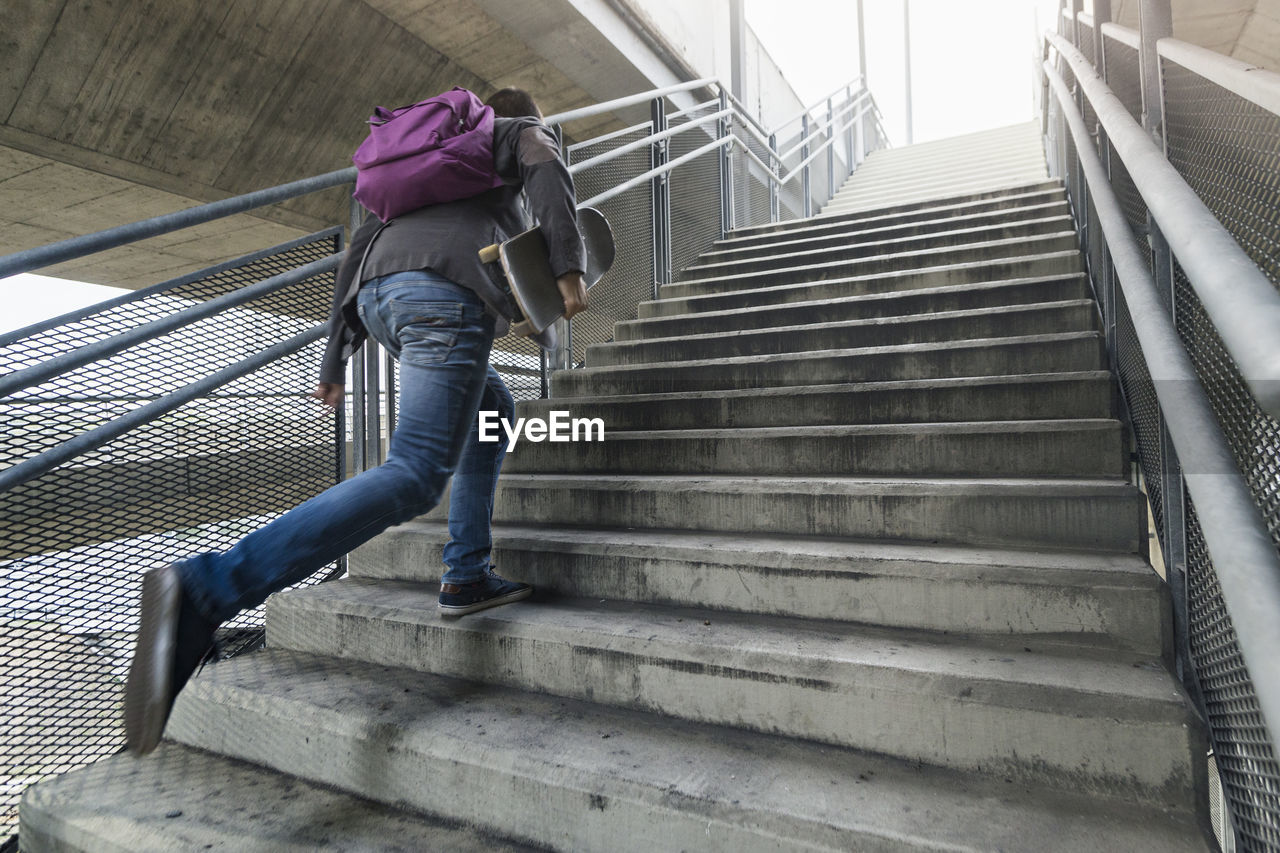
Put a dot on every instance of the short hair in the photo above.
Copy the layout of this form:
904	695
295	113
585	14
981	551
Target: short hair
513	103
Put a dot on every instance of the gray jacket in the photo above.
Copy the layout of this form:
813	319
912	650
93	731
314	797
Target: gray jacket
447	237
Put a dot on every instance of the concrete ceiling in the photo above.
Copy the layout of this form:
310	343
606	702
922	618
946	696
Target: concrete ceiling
115	110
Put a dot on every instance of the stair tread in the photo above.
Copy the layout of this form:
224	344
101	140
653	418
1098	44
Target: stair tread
835	555
850	387
826	430
673	783
995	671
885	296
901	319
1013	242
970	343
181	798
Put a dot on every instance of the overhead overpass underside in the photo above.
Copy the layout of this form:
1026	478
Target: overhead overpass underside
117	110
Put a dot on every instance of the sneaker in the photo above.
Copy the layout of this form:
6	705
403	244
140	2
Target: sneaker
489	591
173	640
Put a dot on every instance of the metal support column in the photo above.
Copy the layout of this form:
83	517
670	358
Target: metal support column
560	357
661	200
723	129
831	150
1155	23
775	206
906	49
804	155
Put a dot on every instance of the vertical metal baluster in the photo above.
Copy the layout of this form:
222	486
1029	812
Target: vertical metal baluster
775	202
804	155
661	202
726	171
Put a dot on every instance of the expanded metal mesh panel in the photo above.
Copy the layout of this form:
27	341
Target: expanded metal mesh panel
1252	434
77	539
1123	75
695	191
1246	760
1144	408
1228	150
630	280
751	192
1086	43
791	194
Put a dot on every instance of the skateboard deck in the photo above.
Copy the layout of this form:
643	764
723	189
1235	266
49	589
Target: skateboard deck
525	266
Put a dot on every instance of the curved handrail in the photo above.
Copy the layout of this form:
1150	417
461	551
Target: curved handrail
1240	300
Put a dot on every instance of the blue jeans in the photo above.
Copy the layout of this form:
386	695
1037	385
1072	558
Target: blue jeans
441	336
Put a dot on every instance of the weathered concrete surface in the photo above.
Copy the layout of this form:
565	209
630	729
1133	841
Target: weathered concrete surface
1100	601
124	804
579	776
1086	394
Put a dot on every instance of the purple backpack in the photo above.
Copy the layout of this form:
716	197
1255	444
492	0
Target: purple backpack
434	151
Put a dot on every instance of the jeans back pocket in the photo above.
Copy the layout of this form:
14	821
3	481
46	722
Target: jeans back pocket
427	331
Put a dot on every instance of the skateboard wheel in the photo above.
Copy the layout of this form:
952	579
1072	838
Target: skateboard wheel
489	254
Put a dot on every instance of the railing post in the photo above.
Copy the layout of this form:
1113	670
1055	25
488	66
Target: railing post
726	171
359	393
831	150
660	200
561	357
804	155
849	129
775	206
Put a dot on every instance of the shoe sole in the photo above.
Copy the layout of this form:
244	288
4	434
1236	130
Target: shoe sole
464	609
146	693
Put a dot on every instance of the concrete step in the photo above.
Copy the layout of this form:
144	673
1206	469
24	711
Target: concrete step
1100	515
989	199
1078	315
861	250
1118	728
756	276
967	297
1066	352
1099	601
856	232
1030	266
185	799
927	192
570	775
1043	396
923	215
1070	448
1017	167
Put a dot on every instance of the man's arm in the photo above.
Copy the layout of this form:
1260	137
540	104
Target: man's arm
549	188
333	366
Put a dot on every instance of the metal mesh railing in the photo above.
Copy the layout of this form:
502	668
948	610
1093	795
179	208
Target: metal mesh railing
1228	150
77	539
630	280
695	189
1225	149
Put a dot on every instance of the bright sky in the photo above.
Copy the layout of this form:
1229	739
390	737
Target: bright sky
971	68
971	61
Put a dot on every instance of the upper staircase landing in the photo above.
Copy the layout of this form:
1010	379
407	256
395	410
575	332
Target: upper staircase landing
988	159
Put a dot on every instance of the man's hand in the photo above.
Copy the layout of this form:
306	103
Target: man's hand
329	393
574	293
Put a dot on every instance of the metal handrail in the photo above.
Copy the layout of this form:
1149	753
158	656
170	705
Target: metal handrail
48	369
189	278
646	177
1254	84
853	102
1244	559
855	83
628	101
648	140
111	238
1240	300
1124	35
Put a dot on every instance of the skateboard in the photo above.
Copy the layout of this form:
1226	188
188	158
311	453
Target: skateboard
528	271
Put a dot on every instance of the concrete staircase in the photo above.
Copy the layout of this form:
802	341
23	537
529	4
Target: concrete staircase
857	568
